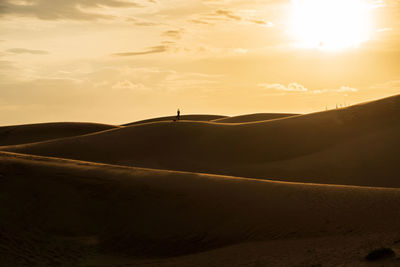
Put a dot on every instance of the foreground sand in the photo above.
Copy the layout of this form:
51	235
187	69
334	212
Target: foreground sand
59	211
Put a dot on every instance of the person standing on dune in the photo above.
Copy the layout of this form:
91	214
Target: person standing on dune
178	115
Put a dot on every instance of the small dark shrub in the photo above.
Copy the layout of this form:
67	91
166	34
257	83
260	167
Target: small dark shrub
380	253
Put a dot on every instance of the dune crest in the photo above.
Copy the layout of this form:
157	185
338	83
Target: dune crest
30	133
194	117
254	117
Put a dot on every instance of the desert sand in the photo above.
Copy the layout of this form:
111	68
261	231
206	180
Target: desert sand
319	189
343	146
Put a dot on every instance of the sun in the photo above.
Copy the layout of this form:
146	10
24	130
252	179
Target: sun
330	24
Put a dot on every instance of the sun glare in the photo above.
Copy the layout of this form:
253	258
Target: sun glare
330	24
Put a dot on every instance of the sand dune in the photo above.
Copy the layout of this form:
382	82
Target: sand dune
29	133
183	117
254	117
370	159
324	147
59	211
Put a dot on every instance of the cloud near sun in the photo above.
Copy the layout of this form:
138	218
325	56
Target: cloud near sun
123	58
298	88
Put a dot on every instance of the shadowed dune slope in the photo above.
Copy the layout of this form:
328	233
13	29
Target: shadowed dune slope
195	117
371	159
338	146
29	133
254	117
58	211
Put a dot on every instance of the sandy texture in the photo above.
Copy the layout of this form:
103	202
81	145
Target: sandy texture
325	191
79	213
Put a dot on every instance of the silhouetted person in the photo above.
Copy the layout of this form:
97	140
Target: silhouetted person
178	115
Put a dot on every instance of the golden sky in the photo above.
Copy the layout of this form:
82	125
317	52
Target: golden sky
116	61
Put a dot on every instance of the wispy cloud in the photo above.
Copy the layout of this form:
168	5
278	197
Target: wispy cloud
62	9
27	51
261	22
199	21
291	87
175	34
151	50
347	89
128	85
224	14
228	14
296	87
342	89
138	22
241	50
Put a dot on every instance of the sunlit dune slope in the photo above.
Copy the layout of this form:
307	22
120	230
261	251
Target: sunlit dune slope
194	117
254	117
28	133
59	211
339	146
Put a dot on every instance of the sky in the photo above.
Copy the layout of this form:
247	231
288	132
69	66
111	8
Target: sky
118	61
